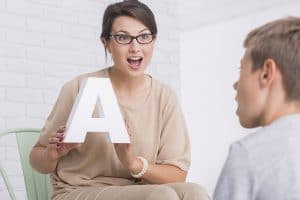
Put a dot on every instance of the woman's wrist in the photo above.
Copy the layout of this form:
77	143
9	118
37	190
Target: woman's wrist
140	168
136	165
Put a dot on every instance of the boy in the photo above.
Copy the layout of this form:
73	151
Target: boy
266	164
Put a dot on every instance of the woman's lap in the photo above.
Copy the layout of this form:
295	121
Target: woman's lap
172	191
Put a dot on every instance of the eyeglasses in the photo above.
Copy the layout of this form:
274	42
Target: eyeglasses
127	39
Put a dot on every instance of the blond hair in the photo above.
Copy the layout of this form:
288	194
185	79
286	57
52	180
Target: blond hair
278	40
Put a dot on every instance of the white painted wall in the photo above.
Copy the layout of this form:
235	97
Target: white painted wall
210	57
197	13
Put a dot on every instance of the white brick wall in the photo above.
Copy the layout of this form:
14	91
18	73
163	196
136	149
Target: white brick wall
11	20
45	43
24	7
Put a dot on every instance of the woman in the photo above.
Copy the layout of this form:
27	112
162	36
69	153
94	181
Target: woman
159	152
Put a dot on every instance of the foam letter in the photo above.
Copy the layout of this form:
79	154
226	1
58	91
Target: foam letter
96	92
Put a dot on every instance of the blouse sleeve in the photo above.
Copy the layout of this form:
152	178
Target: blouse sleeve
174	146
60	112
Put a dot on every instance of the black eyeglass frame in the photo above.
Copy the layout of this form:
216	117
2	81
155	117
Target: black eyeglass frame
114	36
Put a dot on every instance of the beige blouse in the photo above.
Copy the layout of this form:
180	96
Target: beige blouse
158	133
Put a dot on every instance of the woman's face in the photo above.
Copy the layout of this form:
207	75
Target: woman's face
131	59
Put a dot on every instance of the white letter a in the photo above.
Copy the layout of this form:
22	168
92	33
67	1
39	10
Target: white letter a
96	92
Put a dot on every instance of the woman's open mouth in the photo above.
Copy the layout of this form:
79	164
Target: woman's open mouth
135	61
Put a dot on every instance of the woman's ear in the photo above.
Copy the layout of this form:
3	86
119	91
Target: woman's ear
268	73
106	44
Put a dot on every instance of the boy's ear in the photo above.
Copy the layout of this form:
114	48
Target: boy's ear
105	44
268	73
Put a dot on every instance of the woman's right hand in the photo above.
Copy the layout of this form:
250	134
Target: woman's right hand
56	148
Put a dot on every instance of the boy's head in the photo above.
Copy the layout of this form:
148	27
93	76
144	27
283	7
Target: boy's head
270	71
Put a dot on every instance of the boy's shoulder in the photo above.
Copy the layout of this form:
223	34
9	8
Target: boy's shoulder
270	140
279	129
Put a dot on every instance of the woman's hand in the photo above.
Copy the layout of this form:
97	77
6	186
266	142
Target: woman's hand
127	158
45	158
56	148
126	155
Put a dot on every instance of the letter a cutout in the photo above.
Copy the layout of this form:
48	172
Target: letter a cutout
94	93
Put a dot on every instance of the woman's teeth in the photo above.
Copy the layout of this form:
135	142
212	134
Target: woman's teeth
135	61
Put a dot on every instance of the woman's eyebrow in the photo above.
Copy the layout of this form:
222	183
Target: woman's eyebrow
121	31
145	29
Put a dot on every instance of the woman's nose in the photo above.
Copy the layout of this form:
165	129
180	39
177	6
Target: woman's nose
134	46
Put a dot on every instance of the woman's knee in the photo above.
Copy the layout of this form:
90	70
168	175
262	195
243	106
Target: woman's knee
198	191
191	191
162	192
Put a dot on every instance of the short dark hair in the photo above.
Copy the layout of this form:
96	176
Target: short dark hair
130	8
278	40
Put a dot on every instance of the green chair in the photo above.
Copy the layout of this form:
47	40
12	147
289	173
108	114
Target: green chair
37	185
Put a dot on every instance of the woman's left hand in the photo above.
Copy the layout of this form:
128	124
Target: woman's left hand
126	156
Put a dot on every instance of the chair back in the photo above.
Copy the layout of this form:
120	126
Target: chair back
37	185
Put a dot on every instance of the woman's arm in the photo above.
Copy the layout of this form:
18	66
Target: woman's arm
160	173
39	160
155	173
